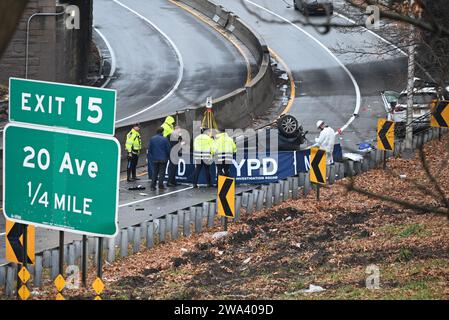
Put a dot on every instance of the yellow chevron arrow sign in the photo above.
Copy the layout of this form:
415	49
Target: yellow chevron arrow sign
226	197
318	166
440	115
385	135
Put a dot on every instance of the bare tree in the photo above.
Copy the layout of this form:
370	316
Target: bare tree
431	25
432	30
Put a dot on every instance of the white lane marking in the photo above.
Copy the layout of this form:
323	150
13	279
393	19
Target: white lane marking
113	60
155	197
356	86
113	63
2	234
179	57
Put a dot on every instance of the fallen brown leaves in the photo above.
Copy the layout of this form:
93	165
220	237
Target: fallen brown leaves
272	254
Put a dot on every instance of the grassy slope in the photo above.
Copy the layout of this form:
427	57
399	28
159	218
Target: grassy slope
274	253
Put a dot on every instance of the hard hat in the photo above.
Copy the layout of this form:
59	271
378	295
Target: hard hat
170	120
319	123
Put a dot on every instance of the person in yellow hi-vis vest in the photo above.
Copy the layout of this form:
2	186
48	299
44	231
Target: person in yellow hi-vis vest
133	146
202	154
168	126
224	150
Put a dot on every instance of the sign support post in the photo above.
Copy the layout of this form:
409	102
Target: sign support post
25	245
24	259
61	253
25	248
225	225
100	256
84	262
98	284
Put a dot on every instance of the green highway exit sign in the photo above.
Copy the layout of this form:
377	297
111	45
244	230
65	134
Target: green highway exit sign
62	105
61	179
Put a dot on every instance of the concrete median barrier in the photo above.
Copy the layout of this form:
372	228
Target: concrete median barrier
234	110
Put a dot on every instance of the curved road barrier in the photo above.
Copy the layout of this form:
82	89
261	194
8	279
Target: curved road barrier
238	108
196	218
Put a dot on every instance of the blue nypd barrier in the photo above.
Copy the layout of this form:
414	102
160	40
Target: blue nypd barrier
303	158
252	169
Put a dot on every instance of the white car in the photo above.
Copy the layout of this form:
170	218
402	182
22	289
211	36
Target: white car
396	106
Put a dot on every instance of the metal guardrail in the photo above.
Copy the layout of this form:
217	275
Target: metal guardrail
234	110
196	218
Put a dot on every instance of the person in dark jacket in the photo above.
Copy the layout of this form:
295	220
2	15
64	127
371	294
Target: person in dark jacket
175	138
158	153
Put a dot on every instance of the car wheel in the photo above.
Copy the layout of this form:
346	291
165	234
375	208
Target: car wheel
288	126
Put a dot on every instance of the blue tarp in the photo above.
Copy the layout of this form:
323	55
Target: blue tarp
254	169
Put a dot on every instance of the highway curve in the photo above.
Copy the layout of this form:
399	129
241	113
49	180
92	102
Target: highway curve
166	59
329	86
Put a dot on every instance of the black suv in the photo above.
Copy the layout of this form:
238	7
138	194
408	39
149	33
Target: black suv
309	7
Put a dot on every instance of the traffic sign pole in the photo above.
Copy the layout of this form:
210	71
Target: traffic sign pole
23	263
84	262
61	253
317	192
385	159
100	258
225	225
19	282
25	245
25	250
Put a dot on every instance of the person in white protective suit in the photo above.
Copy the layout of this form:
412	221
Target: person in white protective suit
326	140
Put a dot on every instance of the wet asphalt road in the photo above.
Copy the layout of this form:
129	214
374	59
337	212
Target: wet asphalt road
134	207
324	89
166	58
162	54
